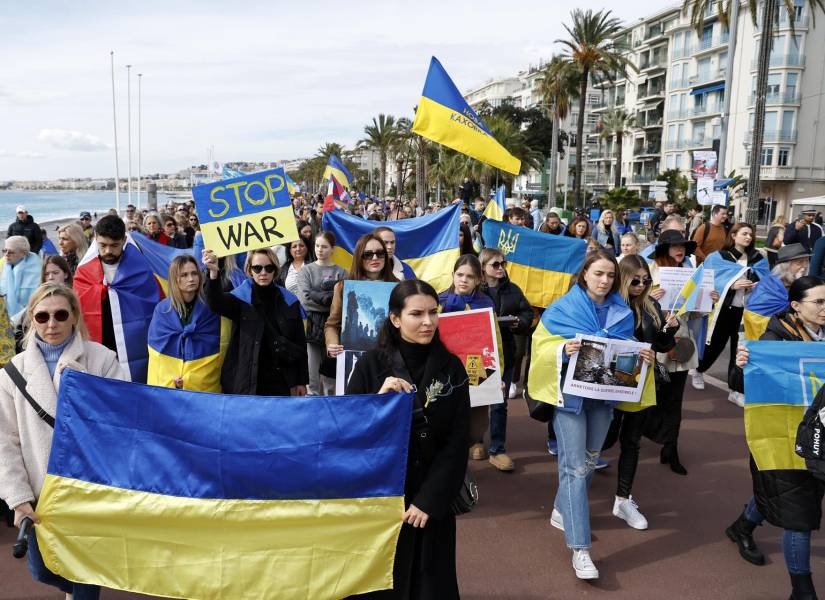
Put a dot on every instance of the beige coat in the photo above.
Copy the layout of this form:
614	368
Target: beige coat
25	439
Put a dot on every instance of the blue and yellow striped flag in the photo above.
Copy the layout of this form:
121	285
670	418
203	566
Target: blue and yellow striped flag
159	257
688	296
496	207
429	244
291	186
444	116
542	265
767	299
337	169
781	381
725	273
190	495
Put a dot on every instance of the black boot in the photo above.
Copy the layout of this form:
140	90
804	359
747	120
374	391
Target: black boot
670	456
741	533
803	587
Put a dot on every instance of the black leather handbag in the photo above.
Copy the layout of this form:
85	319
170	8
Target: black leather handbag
540	411
467	497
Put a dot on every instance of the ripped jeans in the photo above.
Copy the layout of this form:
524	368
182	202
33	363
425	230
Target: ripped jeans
580	438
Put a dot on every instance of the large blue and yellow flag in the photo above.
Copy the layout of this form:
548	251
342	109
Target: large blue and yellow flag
688	296
159	256
429	244
191	495
767	299
496	207
444	116
291	186
542	265
335	168
781	381
725	273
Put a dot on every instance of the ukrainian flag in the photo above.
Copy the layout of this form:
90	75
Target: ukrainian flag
191	495
688	296
444	116
291	186
159	257
429	244
725	273
191	351
781	381
496	207
337	169
542	265
767	299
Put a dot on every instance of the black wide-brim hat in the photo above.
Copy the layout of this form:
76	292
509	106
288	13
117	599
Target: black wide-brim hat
673	238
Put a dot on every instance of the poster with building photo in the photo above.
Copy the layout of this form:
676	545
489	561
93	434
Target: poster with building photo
673	279
704	164
364	312
471	336
607	369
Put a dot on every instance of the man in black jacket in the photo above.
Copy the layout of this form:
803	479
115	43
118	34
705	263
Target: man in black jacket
804	231
24	225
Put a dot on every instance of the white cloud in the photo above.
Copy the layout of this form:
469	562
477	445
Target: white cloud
21	154
78	141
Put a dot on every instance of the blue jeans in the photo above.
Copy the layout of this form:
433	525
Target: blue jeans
796	545
41	573
498	417
580	438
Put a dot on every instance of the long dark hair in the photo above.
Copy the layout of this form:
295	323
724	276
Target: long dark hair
593	256
472	261
799	288
389	335
357	271
729	245
467	244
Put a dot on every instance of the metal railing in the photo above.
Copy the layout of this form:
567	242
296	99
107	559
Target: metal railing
781	97
649	149
644	177
774	135
710	76
782	60
677	144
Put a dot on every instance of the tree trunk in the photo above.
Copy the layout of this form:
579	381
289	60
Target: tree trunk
421	172
382	174
554	162
617	177
577	178
399	178
485	187
765	43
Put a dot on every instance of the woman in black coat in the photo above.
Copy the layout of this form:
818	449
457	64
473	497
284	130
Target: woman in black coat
267	353
410	353
786	498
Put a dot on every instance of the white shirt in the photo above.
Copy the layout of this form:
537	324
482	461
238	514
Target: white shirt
109	271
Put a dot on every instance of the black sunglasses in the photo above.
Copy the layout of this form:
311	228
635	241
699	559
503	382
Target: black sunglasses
499	264
370	254
270	268
647	281
61	316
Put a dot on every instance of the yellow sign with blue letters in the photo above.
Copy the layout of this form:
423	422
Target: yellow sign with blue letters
245	213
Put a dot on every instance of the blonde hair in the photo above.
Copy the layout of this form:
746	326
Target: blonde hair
75	233
633	237
627	271
48	290
780	220
605	212
247	267
488	254
175	269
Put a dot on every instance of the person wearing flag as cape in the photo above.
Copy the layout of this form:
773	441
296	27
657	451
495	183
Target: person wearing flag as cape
185	335
118	293
593	306
790	498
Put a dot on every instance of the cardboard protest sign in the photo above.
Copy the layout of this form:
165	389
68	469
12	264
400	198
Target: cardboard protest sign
245	213
471	336
673	279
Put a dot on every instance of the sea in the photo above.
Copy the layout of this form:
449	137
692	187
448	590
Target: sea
52	206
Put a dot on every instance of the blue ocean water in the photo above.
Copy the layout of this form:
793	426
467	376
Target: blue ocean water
50	206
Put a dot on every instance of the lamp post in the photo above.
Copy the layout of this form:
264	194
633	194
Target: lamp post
129	128
114	119
140	76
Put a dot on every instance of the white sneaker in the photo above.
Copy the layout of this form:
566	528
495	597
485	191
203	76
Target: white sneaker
515	391
698	381
556	520
583	565
628	511
738	398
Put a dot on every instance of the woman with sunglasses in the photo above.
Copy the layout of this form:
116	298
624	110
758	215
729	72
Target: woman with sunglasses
56	339
789	498
515	317
630	417
73	244
267	353
369	263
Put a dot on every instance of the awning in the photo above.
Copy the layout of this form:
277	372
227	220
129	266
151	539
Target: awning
708	88
652	105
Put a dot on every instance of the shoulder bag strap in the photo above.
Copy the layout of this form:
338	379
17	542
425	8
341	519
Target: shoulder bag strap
18	380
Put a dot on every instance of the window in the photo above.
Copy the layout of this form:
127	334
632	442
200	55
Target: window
671	161
677	40
767	157
703	69
671	133
717	131
674	102
790	84
797	9
784	155
723	61
699	132
787	122
679	161
593	99
707	36
774	81
770	121
572	138
777	50
796	45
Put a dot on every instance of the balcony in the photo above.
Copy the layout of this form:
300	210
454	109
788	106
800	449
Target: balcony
700	141
702	111
801	22
654	31
783	97
782	60
647	120
709	77
777	173
774	135
649	149
675	84
711	43
650	65
678	145
650	92
644	177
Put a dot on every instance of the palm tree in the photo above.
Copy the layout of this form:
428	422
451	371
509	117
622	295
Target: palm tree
330	148
450	169
594	51
401	150
727	12
380	137
559	87
509	135
617	122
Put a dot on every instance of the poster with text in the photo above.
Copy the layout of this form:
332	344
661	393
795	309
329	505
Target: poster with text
471	336
673	279
704	191
607	369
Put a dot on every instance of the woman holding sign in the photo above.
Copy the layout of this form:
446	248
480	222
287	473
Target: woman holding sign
790	498
410	353
593	306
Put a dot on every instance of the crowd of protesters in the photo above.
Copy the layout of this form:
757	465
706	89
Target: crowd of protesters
267	294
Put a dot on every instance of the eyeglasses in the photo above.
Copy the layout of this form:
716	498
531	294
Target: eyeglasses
820	304
499	264
370	254
42	317
9	251
634	282
270	268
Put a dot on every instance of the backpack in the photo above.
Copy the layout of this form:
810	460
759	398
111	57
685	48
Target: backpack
810	437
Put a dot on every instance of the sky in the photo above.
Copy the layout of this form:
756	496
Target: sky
258	81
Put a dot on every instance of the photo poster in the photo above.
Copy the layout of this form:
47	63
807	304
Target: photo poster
471	336
704	191
673	279
364	309
607	369
704	164
719	197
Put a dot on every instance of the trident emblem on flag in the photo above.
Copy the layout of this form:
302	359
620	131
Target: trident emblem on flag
507	243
